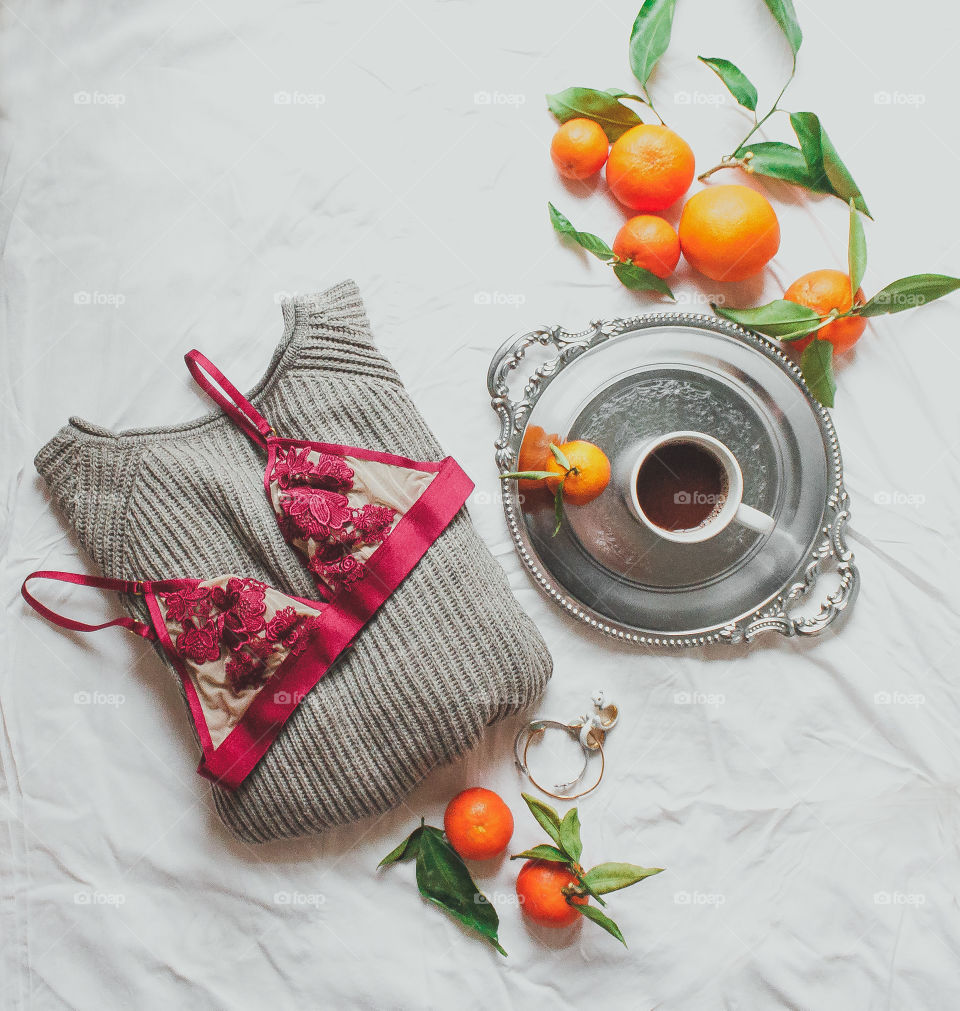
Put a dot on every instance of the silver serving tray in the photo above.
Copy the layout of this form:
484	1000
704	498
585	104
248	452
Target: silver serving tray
622	381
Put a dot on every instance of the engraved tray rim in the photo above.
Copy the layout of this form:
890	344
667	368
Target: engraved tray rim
770	614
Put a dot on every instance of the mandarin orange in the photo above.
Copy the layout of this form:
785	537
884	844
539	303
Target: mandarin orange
650	167
540	885
589	472
579	148
649	242
534	454
729	233
478	824
822	291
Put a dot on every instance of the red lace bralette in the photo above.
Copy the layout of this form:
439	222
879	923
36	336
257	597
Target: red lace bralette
246	653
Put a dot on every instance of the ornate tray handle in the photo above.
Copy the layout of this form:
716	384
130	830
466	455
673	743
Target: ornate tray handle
513	413
774	617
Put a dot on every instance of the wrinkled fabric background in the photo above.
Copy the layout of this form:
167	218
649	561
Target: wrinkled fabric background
169	170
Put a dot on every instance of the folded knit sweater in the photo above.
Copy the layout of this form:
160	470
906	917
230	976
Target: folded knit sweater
448	653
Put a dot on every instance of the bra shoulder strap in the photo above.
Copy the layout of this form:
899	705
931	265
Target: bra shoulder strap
227	396
120	585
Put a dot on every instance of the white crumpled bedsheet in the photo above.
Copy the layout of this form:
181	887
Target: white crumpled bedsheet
168	171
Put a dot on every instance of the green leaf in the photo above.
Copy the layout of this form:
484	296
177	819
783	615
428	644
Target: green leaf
610	877
558	506
816	364
444	880
570	835
602	107
856	252
806	125
559	456
543	852
828	172
650	37
529	475
592	913
617	93
909	293
839	175
546	816
640	279
786	18
779	318
590	242
776	160
737	82
407	850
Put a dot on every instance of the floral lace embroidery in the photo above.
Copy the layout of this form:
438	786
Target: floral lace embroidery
297	468
234	617
315	510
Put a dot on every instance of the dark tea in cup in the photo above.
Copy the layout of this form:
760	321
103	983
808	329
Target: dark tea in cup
687	487
680	484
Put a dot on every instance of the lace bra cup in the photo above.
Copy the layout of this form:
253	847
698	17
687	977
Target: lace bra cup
228	638
246	653
335	504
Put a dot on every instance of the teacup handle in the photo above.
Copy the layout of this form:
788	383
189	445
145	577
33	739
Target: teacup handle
754	519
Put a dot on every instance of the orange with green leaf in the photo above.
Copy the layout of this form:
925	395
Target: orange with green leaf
575	471
554	888
825	312
729	233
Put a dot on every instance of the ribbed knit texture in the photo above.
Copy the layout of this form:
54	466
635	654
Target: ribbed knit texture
448	653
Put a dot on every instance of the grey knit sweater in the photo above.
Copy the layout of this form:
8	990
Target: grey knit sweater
448	653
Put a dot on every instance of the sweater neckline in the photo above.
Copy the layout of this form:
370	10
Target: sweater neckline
88	430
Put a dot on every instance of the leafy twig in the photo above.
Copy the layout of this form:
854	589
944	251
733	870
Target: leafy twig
542	475
633	277
815	163
597	881
649	39
787	321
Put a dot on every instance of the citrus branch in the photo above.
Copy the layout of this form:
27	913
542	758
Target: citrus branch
649	102
731	161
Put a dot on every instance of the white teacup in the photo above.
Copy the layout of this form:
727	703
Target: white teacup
728	507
